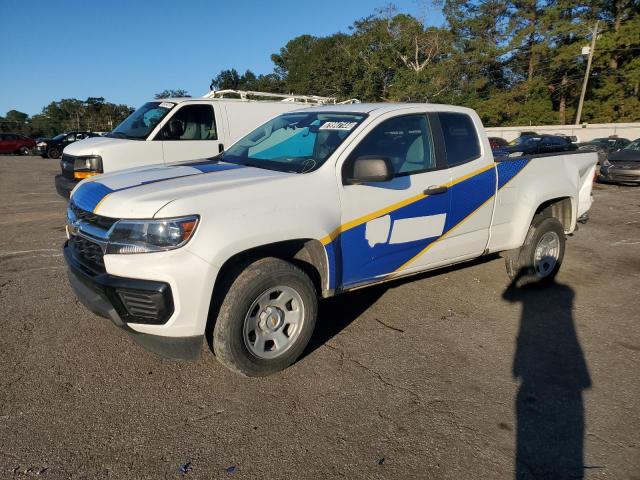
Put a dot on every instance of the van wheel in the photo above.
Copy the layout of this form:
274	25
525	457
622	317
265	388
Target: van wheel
53	153
539	259
266	319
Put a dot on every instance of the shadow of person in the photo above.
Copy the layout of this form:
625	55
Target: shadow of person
552	371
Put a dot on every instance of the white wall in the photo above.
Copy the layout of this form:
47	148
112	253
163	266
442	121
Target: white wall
584	132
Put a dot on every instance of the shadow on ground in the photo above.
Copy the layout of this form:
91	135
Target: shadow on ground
553	373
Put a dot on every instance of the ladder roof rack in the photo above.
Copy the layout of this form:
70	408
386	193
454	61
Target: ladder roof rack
283	97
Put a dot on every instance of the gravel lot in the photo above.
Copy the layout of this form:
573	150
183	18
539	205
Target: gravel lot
448	375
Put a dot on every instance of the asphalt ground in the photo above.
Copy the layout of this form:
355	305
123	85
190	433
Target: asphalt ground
449	375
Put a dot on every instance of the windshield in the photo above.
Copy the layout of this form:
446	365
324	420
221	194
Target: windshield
635	145
140	123
59	136
294	142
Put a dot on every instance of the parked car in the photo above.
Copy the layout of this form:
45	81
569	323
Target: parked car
53	147
622	166
164	131
15	143
538	144
497	142
313	203
604	146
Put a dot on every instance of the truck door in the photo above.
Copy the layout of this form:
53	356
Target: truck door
472	190
191	133
387	226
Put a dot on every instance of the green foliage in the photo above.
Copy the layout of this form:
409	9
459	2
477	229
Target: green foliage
517	62
232	80
178	93
93	114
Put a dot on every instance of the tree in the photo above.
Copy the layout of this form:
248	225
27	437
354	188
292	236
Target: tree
515	61
178	93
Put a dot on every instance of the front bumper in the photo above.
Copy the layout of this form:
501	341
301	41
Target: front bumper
619	175
64	186
106	296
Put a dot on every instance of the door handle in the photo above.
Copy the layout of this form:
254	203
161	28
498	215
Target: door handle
435	190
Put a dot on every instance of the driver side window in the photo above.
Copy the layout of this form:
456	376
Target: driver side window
191	122
406	141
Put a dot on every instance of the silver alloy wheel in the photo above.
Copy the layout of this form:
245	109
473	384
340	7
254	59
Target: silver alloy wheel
273	322
546	254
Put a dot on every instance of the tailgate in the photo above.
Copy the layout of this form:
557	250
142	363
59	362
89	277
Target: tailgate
585	184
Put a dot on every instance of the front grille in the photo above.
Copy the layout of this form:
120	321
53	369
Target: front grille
142	305
90	217
88	252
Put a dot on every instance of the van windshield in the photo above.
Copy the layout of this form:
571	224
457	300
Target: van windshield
294	142
141	123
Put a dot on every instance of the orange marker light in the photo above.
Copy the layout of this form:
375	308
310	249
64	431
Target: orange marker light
81	175
188	227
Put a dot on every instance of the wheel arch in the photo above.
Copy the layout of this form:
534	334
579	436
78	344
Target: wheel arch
561	208
308	254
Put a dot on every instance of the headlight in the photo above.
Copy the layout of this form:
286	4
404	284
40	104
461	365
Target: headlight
85	167
143	236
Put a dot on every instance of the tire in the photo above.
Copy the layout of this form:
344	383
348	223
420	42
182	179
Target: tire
53	153
252	320
524	267
24	150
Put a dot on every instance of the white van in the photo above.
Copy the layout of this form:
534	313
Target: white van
172	130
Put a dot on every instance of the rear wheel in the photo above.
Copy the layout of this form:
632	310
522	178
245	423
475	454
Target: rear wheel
53	153
539	259
266	319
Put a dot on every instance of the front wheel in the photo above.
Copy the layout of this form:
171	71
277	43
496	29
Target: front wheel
24	151
266	319
539	259
53	153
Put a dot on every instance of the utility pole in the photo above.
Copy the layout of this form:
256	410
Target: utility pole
594	35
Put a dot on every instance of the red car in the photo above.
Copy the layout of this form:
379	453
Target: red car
14	143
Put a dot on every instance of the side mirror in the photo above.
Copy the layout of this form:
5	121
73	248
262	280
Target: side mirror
368	169
176	130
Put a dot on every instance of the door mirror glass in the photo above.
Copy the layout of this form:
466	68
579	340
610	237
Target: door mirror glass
368	169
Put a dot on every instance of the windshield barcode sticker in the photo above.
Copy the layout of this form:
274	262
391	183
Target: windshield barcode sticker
167	105
338	125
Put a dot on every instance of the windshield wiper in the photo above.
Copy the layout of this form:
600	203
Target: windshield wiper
123	135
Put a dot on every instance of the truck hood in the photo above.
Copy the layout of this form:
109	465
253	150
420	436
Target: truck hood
142	192
95	145
625	155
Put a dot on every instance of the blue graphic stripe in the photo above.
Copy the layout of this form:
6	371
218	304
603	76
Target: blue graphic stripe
356	262
89	194
361	262
509	168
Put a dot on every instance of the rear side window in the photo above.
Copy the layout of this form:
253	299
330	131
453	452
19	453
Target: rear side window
460	137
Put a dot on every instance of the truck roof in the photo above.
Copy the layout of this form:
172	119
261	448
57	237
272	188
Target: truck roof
381	108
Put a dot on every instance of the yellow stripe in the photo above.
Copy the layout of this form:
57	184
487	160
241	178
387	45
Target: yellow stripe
100	202
424	250
383	211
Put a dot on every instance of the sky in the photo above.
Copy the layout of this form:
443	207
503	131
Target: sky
126	51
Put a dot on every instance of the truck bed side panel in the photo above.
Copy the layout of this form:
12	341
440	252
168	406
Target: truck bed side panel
524	184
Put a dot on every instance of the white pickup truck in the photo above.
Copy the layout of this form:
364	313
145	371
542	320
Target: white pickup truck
171	130
313	203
